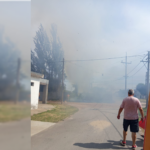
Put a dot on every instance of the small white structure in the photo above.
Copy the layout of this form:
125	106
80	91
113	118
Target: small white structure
36	81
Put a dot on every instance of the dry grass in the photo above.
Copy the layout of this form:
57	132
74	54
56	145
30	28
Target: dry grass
12	112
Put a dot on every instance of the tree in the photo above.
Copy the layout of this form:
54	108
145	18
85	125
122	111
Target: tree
57	57
42	52
47	56
137	93
8	67
141	88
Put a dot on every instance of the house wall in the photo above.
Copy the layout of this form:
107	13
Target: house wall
35	93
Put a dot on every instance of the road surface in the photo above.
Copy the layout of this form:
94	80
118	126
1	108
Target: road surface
93	127
15	135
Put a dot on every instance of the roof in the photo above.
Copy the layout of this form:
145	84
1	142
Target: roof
37	75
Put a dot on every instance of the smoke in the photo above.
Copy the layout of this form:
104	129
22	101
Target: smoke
93	30
14	98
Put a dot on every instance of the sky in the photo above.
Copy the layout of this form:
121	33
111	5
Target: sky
88	29
95	29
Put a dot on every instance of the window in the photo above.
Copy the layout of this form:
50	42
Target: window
32	83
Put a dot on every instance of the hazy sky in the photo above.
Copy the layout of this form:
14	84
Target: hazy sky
95	29
88	29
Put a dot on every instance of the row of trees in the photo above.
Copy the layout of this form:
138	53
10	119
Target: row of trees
47	56
9	55
140	91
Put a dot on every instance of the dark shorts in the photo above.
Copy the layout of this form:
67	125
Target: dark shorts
134	125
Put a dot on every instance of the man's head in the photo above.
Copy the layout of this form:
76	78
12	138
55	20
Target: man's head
130	92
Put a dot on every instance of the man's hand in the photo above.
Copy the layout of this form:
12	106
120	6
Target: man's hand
142	114
142	119
118	116
119	112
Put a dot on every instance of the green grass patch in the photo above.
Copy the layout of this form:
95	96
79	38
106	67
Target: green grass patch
59	113
145	113
12	112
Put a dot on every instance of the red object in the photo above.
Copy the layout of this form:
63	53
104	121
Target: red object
142	124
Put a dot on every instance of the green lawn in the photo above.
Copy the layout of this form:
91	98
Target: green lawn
59	113
145	112
12	112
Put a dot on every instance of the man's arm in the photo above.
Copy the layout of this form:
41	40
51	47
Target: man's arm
119	112
142	113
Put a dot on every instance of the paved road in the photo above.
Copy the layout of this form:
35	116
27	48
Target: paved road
15	135
93	127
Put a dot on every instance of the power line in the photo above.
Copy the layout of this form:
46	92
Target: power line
84	59
137	65
101	58
134	68
137	71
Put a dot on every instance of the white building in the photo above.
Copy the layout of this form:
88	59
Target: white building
37	81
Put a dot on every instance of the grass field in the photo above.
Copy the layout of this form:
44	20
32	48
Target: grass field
59	113
12	112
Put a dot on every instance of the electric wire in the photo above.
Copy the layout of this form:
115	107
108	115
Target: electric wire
137	71
101	58
135	66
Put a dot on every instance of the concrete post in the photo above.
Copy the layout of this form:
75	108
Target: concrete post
45	94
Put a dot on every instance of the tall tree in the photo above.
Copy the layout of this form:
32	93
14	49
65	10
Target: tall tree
42	52
47	56
57	57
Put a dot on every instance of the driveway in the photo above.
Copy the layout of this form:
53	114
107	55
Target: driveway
15	135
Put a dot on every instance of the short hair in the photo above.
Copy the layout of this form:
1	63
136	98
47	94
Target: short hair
131	92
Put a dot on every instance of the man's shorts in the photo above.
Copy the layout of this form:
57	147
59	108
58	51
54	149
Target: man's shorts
134	125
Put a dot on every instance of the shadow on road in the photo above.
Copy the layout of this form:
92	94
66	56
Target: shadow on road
109	145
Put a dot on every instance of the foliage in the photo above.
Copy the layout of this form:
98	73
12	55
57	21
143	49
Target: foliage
145	113
141	88
8	66
47	57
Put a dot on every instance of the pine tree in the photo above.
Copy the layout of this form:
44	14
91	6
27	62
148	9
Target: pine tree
42	52
47	56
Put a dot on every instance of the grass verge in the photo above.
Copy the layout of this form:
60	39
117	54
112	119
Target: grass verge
12	112
145	113
59	113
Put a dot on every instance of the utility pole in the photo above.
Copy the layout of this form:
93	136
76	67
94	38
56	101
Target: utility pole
17	80
126	72
62	83
147	76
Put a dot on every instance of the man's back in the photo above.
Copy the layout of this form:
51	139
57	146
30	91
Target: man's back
131	105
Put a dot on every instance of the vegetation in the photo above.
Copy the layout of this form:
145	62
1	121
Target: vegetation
141	88
145	113
11	112
47	56
59	113
8	66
